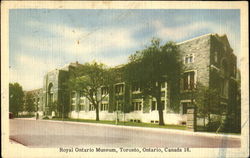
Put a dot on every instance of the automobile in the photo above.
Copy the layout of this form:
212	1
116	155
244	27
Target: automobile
11	115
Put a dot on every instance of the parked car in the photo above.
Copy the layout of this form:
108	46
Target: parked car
11	115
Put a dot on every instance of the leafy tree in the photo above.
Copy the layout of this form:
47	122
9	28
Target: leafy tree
89	79
29	103
207	102
153	66
16	96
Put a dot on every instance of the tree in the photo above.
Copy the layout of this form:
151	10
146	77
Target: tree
16	96
29	103
88	79
207	102
153	66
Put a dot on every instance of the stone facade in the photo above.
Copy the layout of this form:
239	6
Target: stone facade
207	60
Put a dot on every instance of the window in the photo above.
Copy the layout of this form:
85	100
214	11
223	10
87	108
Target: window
185	107
91	107
234	70
153	106
137	105
163	85
104	90
73	94
224	69
73	107
82	100
189	59
163	94
135	88
81	94
118	105
119	89
215	57
81	107
163	105
224	88
189	80
104	107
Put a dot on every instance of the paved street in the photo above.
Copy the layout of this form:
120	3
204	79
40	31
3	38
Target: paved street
42	133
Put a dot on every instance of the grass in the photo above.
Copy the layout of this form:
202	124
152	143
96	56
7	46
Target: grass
124	123
24	116
135	124
203	129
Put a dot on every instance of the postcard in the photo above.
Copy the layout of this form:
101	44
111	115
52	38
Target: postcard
123	78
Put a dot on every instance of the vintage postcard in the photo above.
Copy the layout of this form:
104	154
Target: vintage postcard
124	79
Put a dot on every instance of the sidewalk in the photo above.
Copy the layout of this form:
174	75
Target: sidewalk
164	130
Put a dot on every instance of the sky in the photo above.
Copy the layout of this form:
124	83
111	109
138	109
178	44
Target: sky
41	40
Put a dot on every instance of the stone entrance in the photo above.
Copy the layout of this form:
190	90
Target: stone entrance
191	119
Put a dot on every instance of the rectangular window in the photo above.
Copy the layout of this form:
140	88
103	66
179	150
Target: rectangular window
234	70
104	106
104	90
163	94
186	60
137	105
80	107
72	107
184	108
189	80
163	85
73	94
163	105
81	94
224	88
185	81
191	76
91	107
119	105
73	101
215	57
81	100
189	59
119	89
153	106
135	88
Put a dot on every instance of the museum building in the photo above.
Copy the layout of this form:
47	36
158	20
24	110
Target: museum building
208	60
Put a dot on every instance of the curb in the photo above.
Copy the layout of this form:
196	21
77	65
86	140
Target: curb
11	140
190	133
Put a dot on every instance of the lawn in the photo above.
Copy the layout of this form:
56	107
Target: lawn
180	127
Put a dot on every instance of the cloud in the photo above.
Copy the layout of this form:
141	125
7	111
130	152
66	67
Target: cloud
114	61
58	43
53	43
29	70
73	40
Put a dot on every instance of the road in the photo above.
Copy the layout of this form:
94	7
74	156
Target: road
42	133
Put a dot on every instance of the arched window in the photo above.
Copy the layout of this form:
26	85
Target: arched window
224	80
224	68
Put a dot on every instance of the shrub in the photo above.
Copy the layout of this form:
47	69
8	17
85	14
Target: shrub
46	117
213	125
